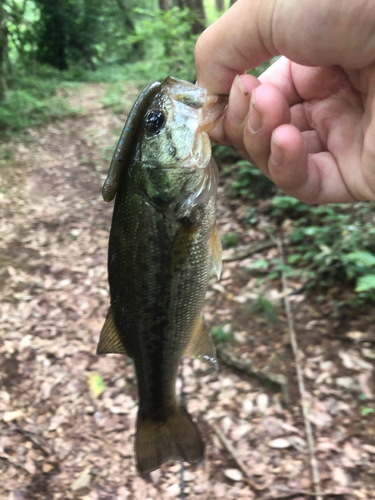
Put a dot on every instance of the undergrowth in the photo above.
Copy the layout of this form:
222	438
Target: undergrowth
32	99
329	245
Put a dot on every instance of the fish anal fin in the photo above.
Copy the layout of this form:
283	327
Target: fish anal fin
216	252
175	438
109	340
201	344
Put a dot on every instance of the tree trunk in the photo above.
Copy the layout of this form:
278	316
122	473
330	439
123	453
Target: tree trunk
232	2
3	49
126	15
53	34
219	5
164	4
197	7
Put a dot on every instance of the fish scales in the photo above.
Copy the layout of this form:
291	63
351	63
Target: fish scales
156	307
162	246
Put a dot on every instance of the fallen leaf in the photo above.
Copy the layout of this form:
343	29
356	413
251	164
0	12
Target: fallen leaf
340	476
262	402
233	474
95	383
12	415
369	448
368	353
81	484
279	443
47	468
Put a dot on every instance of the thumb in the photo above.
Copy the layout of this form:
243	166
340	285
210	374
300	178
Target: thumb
309	32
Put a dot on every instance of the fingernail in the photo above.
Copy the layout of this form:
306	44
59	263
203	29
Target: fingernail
277	152
255	117
238	102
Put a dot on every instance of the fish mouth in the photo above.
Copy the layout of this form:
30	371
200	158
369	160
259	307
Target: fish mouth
194	98
185	92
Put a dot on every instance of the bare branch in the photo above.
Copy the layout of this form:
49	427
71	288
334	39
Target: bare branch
301	383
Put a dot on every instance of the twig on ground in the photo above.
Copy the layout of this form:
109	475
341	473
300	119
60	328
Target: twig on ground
243	253
245	366
15	464
296	493
238	461
35	439
301	384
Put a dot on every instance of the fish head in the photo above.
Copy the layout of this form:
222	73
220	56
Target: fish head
175	147
172	135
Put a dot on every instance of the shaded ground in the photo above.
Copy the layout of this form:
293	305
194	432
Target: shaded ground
59	441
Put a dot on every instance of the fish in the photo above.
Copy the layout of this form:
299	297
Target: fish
163	245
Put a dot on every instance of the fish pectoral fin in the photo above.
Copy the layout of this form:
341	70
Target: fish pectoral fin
206	190
201	343
216	252
175	438
109	340
182	244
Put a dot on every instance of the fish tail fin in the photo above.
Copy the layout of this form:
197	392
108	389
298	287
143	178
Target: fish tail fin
176	438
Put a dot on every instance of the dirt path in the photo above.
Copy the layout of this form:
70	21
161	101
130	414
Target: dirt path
58	441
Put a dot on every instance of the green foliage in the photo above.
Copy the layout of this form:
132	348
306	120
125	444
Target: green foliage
365	411
258	264
266	308
32	100
211	11
168	41
251	182
221	334
221	153
287	206
95	384
230	240
365	283
332	243
21	19
252	217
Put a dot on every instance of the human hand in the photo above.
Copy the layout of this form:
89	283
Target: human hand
309	121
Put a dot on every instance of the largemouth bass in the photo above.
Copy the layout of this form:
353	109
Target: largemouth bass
163	244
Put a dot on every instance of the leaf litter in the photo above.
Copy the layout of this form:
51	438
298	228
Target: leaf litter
67	416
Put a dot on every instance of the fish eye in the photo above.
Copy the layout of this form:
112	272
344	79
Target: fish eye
154	121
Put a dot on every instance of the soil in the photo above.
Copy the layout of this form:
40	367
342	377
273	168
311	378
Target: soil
62	436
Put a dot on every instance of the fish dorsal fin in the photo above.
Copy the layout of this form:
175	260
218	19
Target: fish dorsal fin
109	340
120	156
216	252
201	344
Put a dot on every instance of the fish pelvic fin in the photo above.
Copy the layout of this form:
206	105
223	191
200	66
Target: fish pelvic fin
176	438
110	340
201	344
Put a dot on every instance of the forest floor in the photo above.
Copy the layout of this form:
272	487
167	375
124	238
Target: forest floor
61	439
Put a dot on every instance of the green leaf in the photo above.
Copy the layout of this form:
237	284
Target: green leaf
365	283
95	383
258	264
292	259
221	334
367	259
366	411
